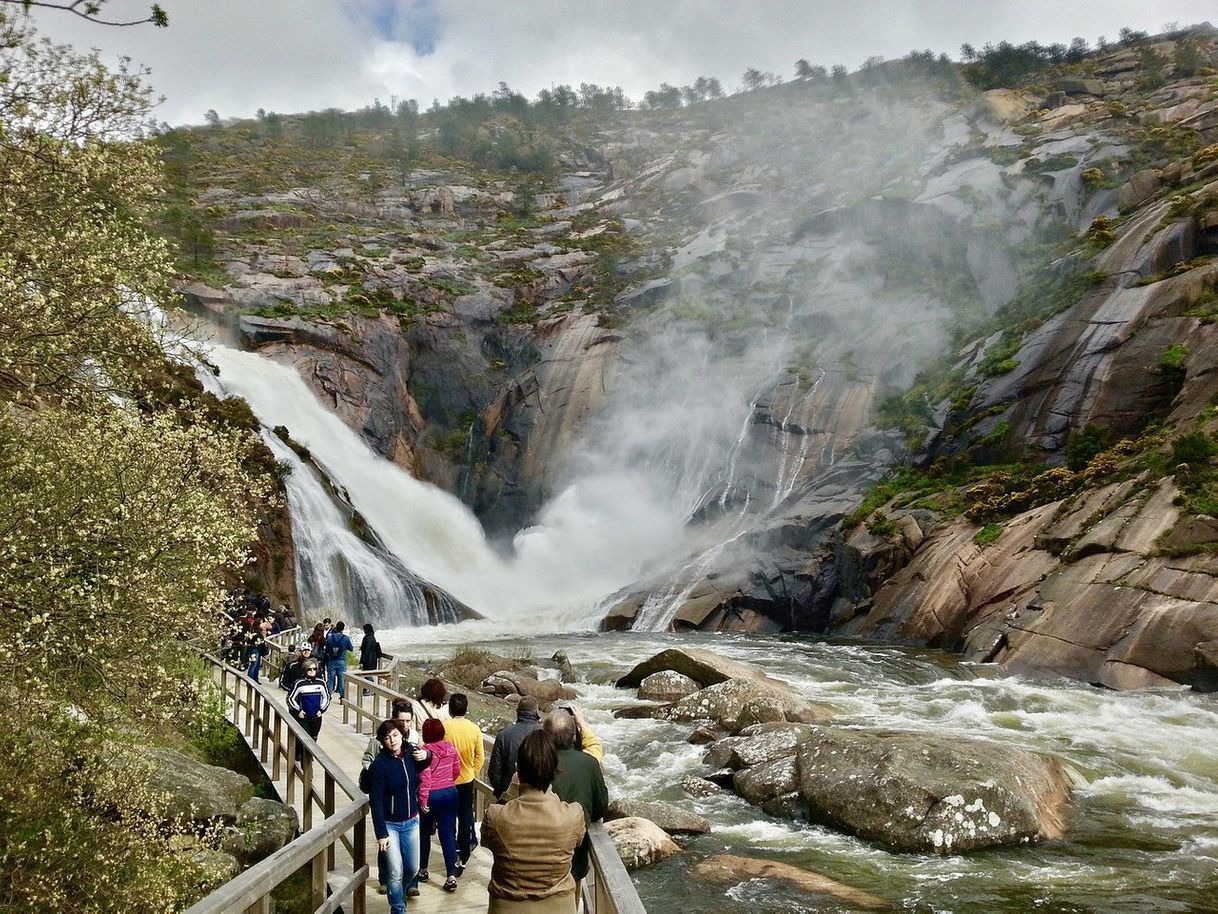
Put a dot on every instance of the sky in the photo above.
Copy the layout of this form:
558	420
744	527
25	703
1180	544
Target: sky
237	56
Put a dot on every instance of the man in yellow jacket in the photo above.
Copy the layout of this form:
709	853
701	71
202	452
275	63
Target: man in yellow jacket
467	737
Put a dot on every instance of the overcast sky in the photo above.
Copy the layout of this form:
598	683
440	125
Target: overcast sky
237	56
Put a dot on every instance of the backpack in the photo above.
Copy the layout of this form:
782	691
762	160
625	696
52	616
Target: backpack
365	783
334	648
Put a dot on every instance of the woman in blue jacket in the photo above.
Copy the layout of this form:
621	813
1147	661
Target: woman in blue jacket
393	796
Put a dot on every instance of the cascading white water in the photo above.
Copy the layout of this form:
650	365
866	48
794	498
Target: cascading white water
587	543
336	569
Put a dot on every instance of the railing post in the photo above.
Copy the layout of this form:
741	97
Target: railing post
317	880
328	809
266	730
346	683
277	748
359	857
249	704
261	906
306	786
290	761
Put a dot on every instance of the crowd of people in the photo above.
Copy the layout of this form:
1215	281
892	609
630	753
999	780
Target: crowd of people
419	772
249	622
547	779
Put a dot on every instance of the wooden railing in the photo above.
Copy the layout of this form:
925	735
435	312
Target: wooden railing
333	823
280	645
608	889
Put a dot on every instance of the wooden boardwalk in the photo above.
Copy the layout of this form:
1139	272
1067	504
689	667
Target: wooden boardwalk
346	747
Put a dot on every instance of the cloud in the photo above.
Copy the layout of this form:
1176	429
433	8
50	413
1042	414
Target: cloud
287	55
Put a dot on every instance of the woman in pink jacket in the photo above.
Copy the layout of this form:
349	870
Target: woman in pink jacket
438	801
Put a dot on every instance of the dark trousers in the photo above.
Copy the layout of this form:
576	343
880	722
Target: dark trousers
467	838
441	817
312	727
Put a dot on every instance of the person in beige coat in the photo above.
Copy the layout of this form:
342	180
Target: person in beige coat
533	838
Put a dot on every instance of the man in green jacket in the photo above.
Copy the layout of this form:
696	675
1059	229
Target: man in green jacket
580	779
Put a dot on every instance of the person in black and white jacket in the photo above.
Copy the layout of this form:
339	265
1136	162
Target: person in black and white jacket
308	701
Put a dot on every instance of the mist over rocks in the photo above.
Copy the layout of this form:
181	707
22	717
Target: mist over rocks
723	324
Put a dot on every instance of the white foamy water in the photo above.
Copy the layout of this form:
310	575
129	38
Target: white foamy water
587	542
1142	835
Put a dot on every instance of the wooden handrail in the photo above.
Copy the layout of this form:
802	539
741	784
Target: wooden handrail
275	736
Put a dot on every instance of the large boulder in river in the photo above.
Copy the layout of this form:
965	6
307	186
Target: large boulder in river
673	819
667	685
704	667
640	842
930	794
505	683
735	703
729	868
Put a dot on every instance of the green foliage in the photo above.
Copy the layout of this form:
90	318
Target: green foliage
1192	447
1084	444
1093	177
1036	166
122	511
1172	360
1008	65
998	358
880	524
987	534
1102	231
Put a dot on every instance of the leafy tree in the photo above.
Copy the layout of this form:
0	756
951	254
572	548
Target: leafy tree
753	79
119	514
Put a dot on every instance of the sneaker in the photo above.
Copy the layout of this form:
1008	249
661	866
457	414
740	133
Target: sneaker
450	884
460	867
381	888
423	876
413	892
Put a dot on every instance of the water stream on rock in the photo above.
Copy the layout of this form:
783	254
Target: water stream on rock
1141	835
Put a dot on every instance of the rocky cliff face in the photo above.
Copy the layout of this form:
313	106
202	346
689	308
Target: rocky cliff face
810	260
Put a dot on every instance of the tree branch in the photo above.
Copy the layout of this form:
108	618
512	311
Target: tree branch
91	10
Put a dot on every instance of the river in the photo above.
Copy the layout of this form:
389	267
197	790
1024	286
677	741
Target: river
1143	835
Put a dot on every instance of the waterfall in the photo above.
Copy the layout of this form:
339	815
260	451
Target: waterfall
586	544
336	569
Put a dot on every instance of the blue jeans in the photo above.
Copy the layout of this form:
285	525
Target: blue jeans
441	817
402	861
334	677
253	662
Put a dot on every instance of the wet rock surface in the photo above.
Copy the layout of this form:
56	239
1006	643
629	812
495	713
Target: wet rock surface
916	793
732	868
640	842
673	819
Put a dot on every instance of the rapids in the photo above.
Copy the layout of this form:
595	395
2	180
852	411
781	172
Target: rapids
1143	834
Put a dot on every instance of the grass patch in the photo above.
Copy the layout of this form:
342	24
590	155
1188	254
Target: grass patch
987	534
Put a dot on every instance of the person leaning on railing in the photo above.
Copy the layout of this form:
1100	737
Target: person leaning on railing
579	779
533	838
